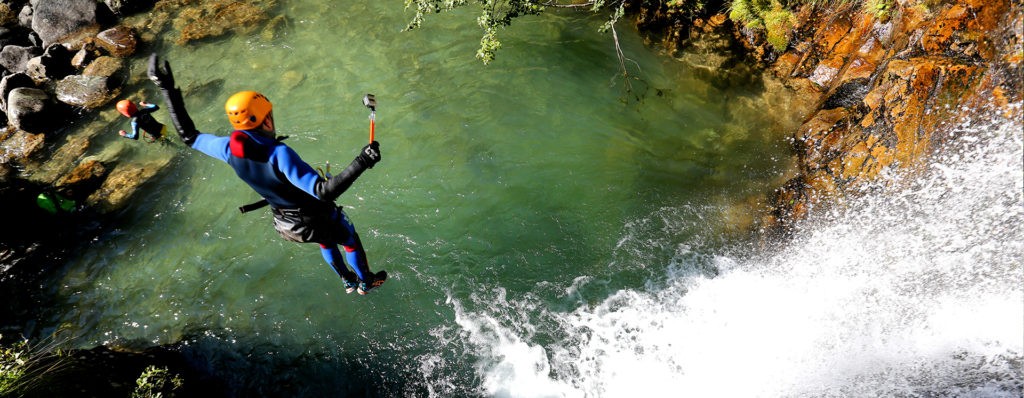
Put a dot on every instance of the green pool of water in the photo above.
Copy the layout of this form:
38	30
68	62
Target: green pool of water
536	180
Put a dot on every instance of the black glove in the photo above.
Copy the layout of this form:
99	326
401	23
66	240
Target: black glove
161	75
163	78
370	155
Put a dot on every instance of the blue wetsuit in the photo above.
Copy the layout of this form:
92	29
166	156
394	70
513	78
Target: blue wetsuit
301	200
144	120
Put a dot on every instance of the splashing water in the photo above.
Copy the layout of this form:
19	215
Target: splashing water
912	290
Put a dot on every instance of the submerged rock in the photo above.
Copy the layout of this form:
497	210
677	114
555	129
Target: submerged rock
215	18
86	91
20	146
122	182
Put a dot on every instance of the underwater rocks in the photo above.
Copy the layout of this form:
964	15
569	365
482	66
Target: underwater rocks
59	59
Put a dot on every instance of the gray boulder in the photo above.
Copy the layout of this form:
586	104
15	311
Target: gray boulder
15	58
25	16
128	7
64	21
11	82
31	110
54	64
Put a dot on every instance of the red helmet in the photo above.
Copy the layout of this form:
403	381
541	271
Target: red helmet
127	108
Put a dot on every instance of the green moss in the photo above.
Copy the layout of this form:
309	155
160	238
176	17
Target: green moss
770	15
778	23
740	11
881	9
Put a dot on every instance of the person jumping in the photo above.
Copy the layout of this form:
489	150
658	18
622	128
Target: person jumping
301	200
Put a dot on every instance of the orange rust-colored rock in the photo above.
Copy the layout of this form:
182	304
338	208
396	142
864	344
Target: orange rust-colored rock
887	89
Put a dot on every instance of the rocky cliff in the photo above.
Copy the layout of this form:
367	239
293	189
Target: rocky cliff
880	89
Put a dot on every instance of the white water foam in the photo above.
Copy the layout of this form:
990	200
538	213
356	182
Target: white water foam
909	291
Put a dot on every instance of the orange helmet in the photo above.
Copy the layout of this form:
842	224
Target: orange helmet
127	108
247	109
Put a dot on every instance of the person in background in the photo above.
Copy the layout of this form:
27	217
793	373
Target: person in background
141	119
301	200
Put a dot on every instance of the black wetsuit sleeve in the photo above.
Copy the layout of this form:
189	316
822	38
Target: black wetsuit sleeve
179	115
329	190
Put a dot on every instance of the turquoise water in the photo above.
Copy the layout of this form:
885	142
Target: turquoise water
541	226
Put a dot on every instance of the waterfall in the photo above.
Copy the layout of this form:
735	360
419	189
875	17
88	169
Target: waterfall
912	289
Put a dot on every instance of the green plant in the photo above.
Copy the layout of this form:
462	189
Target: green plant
770	15
778	23
154	382
881	9
13	363
25	366
494	14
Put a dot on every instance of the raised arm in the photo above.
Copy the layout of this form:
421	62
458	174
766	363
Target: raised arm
161	75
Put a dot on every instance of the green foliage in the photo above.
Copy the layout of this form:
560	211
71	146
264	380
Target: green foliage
24	366
154	382
770	15
881	9
494	14
688	6
778	24
13	365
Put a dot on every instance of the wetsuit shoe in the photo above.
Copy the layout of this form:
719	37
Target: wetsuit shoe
378	279
351	286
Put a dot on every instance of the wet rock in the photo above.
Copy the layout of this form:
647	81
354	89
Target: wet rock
119	41
20	146
217	17
826	71
11	82
60	161
848	94
123	182
83	179
105	67
84	56
32	110
15	58
66	21
818	140
84	91
55	63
